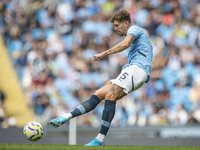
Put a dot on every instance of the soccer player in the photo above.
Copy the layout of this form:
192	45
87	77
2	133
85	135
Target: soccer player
133	75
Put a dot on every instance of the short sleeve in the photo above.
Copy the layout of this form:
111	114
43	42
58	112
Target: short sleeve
134	31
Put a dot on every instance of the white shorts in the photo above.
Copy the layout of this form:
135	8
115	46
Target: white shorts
131	78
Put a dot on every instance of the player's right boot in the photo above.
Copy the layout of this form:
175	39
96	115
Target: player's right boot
58	121
95	142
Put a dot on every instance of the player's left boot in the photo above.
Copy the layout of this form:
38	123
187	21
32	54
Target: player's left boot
95	142
58	121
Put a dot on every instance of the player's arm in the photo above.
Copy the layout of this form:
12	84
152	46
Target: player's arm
117	48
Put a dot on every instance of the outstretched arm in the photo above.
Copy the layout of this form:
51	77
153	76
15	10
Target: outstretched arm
117	48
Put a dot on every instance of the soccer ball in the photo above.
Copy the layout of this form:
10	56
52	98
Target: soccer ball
33	131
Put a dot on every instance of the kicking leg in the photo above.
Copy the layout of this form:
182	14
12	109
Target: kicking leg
83	108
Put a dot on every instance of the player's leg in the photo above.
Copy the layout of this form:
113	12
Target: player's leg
91	103
83	108
115	93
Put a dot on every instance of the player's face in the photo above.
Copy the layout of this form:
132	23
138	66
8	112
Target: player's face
120	28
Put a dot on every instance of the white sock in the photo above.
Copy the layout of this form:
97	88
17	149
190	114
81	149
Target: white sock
100	137
67	115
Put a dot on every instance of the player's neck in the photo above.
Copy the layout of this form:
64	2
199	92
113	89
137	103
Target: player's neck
127	29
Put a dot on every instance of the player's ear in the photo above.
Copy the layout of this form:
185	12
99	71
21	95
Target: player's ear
126	24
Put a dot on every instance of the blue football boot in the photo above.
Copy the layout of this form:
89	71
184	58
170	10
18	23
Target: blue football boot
95	142
58	121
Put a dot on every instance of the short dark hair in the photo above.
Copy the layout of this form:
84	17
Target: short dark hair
121	16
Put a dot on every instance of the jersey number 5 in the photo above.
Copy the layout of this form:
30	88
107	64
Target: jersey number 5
123	76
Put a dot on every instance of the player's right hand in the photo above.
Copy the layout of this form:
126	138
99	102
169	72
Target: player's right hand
99	56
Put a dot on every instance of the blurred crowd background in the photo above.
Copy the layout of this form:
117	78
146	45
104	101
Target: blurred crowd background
52	43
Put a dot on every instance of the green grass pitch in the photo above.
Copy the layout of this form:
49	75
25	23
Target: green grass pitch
81	147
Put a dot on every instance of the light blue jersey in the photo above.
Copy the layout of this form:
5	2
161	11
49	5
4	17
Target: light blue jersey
140	51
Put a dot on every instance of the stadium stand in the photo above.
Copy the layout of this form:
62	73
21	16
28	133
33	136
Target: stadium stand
51	45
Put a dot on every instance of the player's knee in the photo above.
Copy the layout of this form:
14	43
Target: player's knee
110	96
99	94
